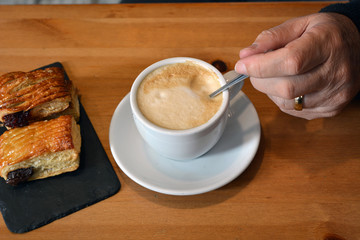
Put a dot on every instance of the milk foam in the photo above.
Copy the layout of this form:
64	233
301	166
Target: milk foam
176	96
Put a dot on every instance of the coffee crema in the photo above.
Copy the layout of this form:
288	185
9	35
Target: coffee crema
176	96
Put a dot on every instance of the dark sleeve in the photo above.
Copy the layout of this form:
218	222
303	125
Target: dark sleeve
350	9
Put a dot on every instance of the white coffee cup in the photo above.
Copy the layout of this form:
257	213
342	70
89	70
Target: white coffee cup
180	144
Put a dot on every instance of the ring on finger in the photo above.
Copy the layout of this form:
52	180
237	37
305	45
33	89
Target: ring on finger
298	103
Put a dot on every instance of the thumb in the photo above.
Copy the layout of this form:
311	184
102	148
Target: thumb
276	37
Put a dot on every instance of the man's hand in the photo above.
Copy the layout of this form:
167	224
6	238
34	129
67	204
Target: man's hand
317	56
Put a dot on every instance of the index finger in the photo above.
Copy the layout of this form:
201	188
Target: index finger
297	57
276	37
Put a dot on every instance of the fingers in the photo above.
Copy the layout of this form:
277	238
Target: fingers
295	52
310	108
288	104
310	114
315	105
312	56
290	87
276	37
297	57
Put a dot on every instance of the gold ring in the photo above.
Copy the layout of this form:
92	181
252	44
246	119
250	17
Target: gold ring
298	103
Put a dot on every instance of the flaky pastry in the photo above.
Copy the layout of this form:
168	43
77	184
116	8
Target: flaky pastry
41	94
39	150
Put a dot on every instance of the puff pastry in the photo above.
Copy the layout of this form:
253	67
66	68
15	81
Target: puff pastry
41	94
39	150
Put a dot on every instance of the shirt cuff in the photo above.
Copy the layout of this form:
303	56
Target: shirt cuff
350	9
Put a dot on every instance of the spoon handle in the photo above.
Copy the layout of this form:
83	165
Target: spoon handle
237	79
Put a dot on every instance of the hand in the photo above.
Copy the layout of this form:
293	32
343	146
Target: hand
317	56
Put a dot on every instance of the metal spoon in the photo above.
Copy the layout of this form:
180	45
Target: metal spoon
235	78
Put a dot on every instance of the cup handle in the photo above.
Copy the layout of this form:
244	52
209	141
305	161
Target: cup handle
234	90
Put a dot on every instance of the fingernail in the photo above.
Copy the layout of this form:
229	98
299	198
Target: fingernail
253	46
241	68
248	50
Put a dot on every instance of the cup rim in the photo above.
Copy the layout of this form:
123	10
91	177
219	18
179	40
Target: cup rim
154	127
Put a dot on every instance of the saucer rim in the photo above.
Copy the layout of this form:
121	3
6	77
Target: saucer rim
167	190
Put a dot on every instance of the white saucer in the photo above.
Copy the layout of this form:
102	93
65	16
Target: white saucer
222	164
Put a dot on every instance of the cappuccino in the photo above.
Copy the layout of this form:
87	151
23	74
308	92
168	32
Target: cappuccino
176	96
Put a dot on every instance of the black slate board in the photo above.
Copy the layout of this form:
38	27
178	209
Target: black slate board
36	203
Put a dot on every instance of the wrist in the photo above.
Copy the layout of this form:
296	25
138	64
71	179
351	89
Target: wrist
350	10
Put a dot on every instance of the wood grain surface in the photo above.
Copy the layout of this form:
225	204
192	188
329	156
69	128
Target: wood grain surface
304	180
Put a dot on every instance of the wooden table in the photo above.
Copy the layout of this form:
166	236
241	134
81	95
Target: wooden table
304	182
